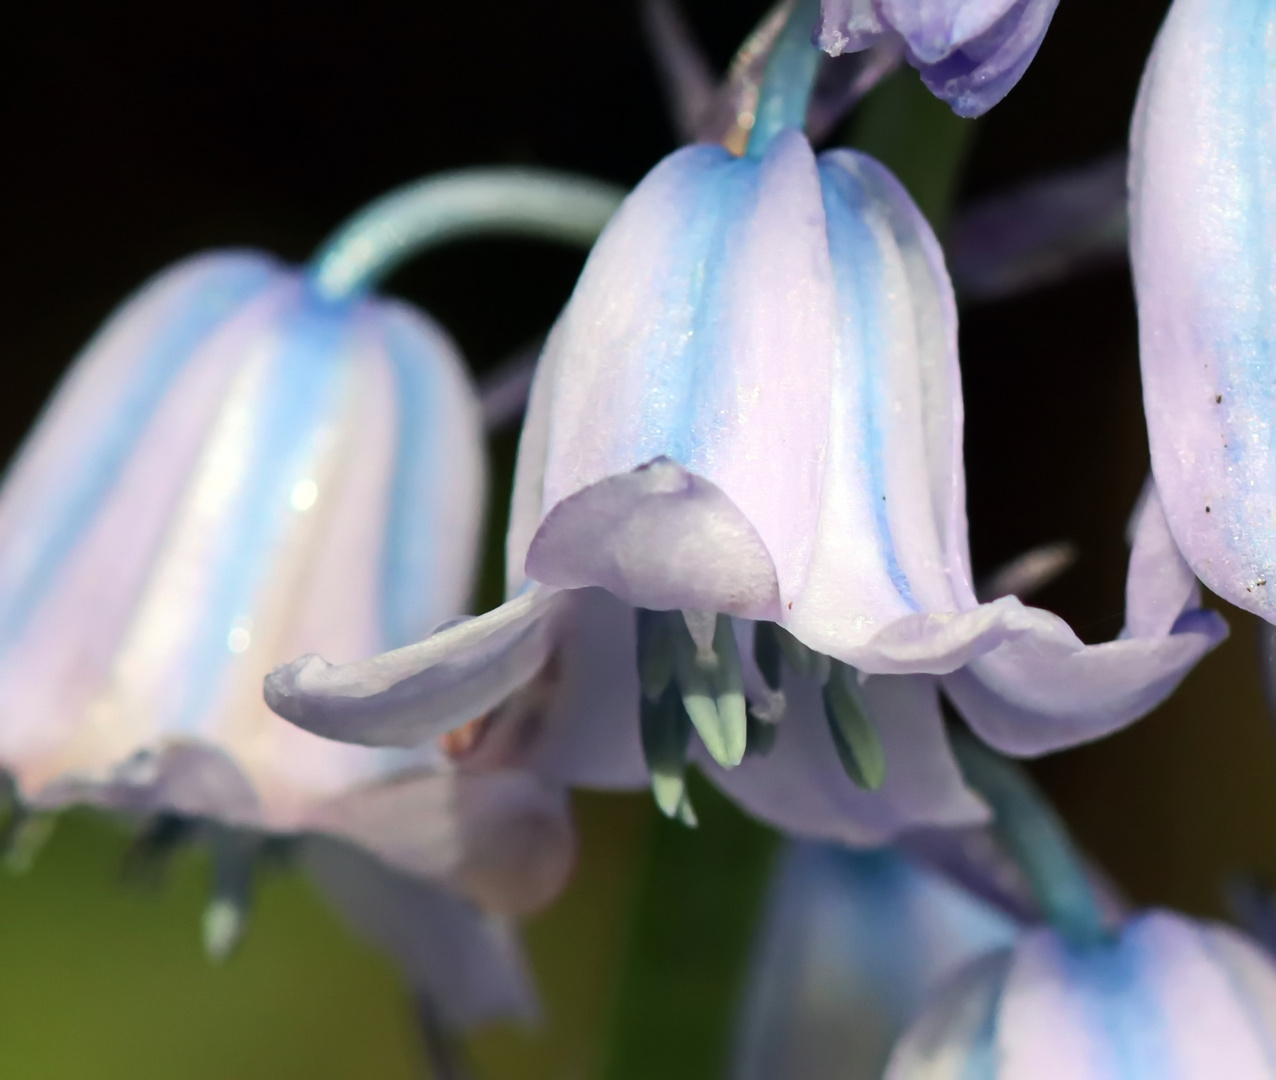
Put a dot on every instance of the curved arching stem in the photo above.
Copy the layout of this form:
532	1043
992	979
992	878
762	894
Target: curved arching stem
498	201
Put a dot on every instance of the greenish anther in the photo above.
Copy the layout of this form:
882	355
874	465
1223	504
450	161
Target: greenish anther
859	746
712	687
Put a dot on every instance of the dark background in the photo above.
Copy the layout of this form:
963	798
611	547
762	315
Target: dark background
136	132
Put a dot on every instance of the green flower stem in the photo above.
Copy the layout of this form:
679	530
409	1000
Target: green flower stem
451	206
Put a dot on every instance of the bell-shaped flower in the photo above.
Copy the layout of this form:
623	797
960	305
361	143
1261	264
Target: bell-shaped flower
1167	997
751	407
970	53
851	946
1201	242
235	471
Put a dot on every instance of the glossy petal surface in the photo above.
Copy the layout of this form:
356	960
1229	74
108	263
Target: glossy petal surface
1203	227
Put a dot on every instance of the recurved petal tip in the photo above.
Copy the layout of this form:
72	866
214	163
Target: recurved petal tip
661	538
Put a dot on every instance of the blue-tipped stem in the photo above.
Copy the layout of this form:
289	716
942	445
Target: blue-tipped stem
1036	839
789	79
405	223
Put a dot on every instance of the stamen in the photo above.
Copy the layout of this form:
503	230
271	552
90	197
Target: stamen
859	746
666	730
713	692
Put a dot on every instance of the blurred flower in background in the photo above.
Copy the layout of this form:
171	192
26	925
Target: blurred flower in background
234	470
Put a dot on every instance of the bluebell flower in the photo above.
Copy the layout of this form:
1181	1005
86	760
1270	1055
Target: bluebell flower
1167	997
1201	247
751	408
234	471
970	53
850	947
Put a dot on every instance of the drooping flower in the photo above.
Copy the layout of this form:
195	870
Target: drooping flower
236	470
970	53
1201	242
1168	997
751	408
851	946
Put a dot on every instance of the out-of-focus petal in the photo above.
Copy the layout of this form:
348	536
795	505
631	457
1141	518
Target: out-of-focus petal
468	964
1041	232
1168	997
694	358
689	83
1202	234
405	697
851	946
503	838
801	787
234	473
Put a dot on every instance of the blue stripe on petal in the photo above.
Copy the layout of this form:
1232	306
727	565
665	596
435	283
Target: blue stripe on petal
857	270
410	556
301	397
203	304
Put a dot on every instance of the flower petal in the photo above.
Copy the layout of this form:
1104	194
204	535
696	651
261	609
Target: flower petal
686	338
985	69
935	28
660	538
410	695
1202	233
848	26
1043	689
851	947
891	535
502	838
470	965
801	787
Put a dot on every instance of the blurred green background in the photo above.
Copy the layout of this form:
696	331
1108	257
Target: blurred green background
138	132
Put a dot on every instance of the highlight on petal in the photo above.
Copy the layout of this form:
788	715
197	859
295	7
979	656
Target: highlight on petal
502	838
851	946
233	473
405	697
1201	190
468	964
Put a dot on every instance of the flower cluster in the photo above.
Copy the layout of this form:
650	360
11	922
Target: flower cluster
738	541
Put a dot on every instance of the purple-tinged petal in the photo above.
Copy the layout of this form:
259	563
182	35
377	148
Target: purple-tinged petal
410	695
851	946
1202	180
702	356
1160	585
1041	232
469	965
985	69
688	81
848	26
801	787
933	29
661	538
1044	689
502	838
